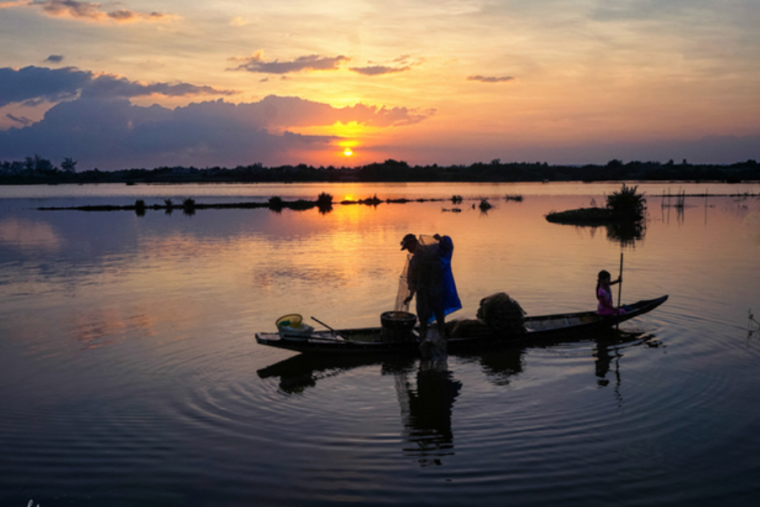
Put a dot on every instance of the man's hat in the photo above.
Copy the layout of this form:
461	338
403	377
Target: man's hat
407	239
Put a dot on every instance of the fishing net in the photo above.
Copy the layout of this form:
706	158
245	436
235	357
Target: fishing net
403	288
403	280
430	267
498	313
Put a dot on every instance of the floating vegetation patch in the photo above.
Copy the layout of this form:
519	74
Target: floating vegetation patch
625	205
188	206
623	216
324	203
485	205
371	201
276	203
582	216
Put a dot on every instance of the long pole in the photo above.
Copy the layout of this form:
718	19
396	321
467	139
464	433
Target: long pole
620	287
338	333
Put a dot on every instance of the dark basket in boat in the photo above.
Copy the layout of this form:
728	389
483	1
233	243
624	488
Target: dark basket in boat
398	326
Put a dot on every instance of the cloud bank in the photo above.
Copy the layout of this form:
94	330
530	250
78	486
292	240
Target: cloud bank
114	134
33	85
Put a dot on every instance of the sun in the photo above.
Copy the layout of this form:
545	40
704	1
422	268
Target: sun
348	152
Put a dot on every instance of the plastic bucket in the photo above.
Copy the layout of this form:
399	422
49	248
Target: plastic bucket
292	320
398	326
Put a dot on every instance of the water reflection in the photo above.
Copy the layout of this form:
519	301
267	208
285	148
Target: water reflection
303	371
30	234
427	390
501	365
608	351
753	326
103	382
426	410
626	233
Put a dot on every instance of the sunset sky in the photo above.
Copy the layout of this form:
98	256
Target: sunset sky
143	84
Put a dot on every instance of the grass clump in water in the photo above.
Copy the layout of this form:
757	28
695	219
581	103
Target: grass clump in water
626	203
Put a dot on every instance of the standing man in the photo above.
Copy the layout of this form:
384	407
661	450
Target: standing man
431	280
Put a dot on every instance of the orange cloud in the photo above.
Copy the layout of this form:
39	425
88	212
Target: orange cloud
17	3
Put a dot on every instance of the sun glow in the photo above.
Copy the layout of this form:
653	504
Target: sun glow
348	152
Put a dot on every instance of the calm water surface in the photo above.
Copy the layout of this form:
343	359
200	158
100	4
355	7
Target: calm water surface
129	372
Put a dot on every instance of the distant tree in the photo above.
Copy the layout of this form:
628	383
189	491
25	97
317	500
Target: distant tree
38	165
69	165
614	164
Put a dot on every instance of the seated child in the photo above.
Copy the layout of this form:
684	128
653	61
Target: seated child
604	295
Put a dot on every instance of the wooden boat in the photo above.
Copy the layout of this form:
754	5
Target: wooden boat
369	340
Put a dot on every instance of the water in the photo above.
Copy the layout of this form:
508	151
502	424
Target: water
129	373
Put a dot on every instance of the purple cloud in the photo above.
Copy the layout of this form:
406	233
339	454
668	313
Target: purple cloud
33	85
92	12
40	83
24	121
490	79
106	86
377	70
256	63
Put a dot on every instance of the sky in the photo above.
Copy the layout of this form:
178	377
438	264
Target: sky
134	83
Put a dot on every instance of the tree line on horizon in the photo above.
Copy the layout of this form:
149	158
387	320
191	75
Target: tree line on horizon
37	170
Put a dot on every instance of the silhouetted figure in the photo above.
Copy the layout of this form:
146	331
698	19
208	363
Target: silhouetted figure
604	294
430	279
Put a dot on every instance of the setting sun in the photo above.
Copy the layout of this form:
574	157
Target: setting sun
348	152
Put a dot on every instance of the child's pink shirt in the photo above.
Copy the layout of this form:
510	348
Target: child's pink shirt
605	302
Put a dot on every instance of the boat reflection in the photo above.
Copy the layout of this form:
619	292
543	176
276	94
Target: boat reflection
427	390
303	371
